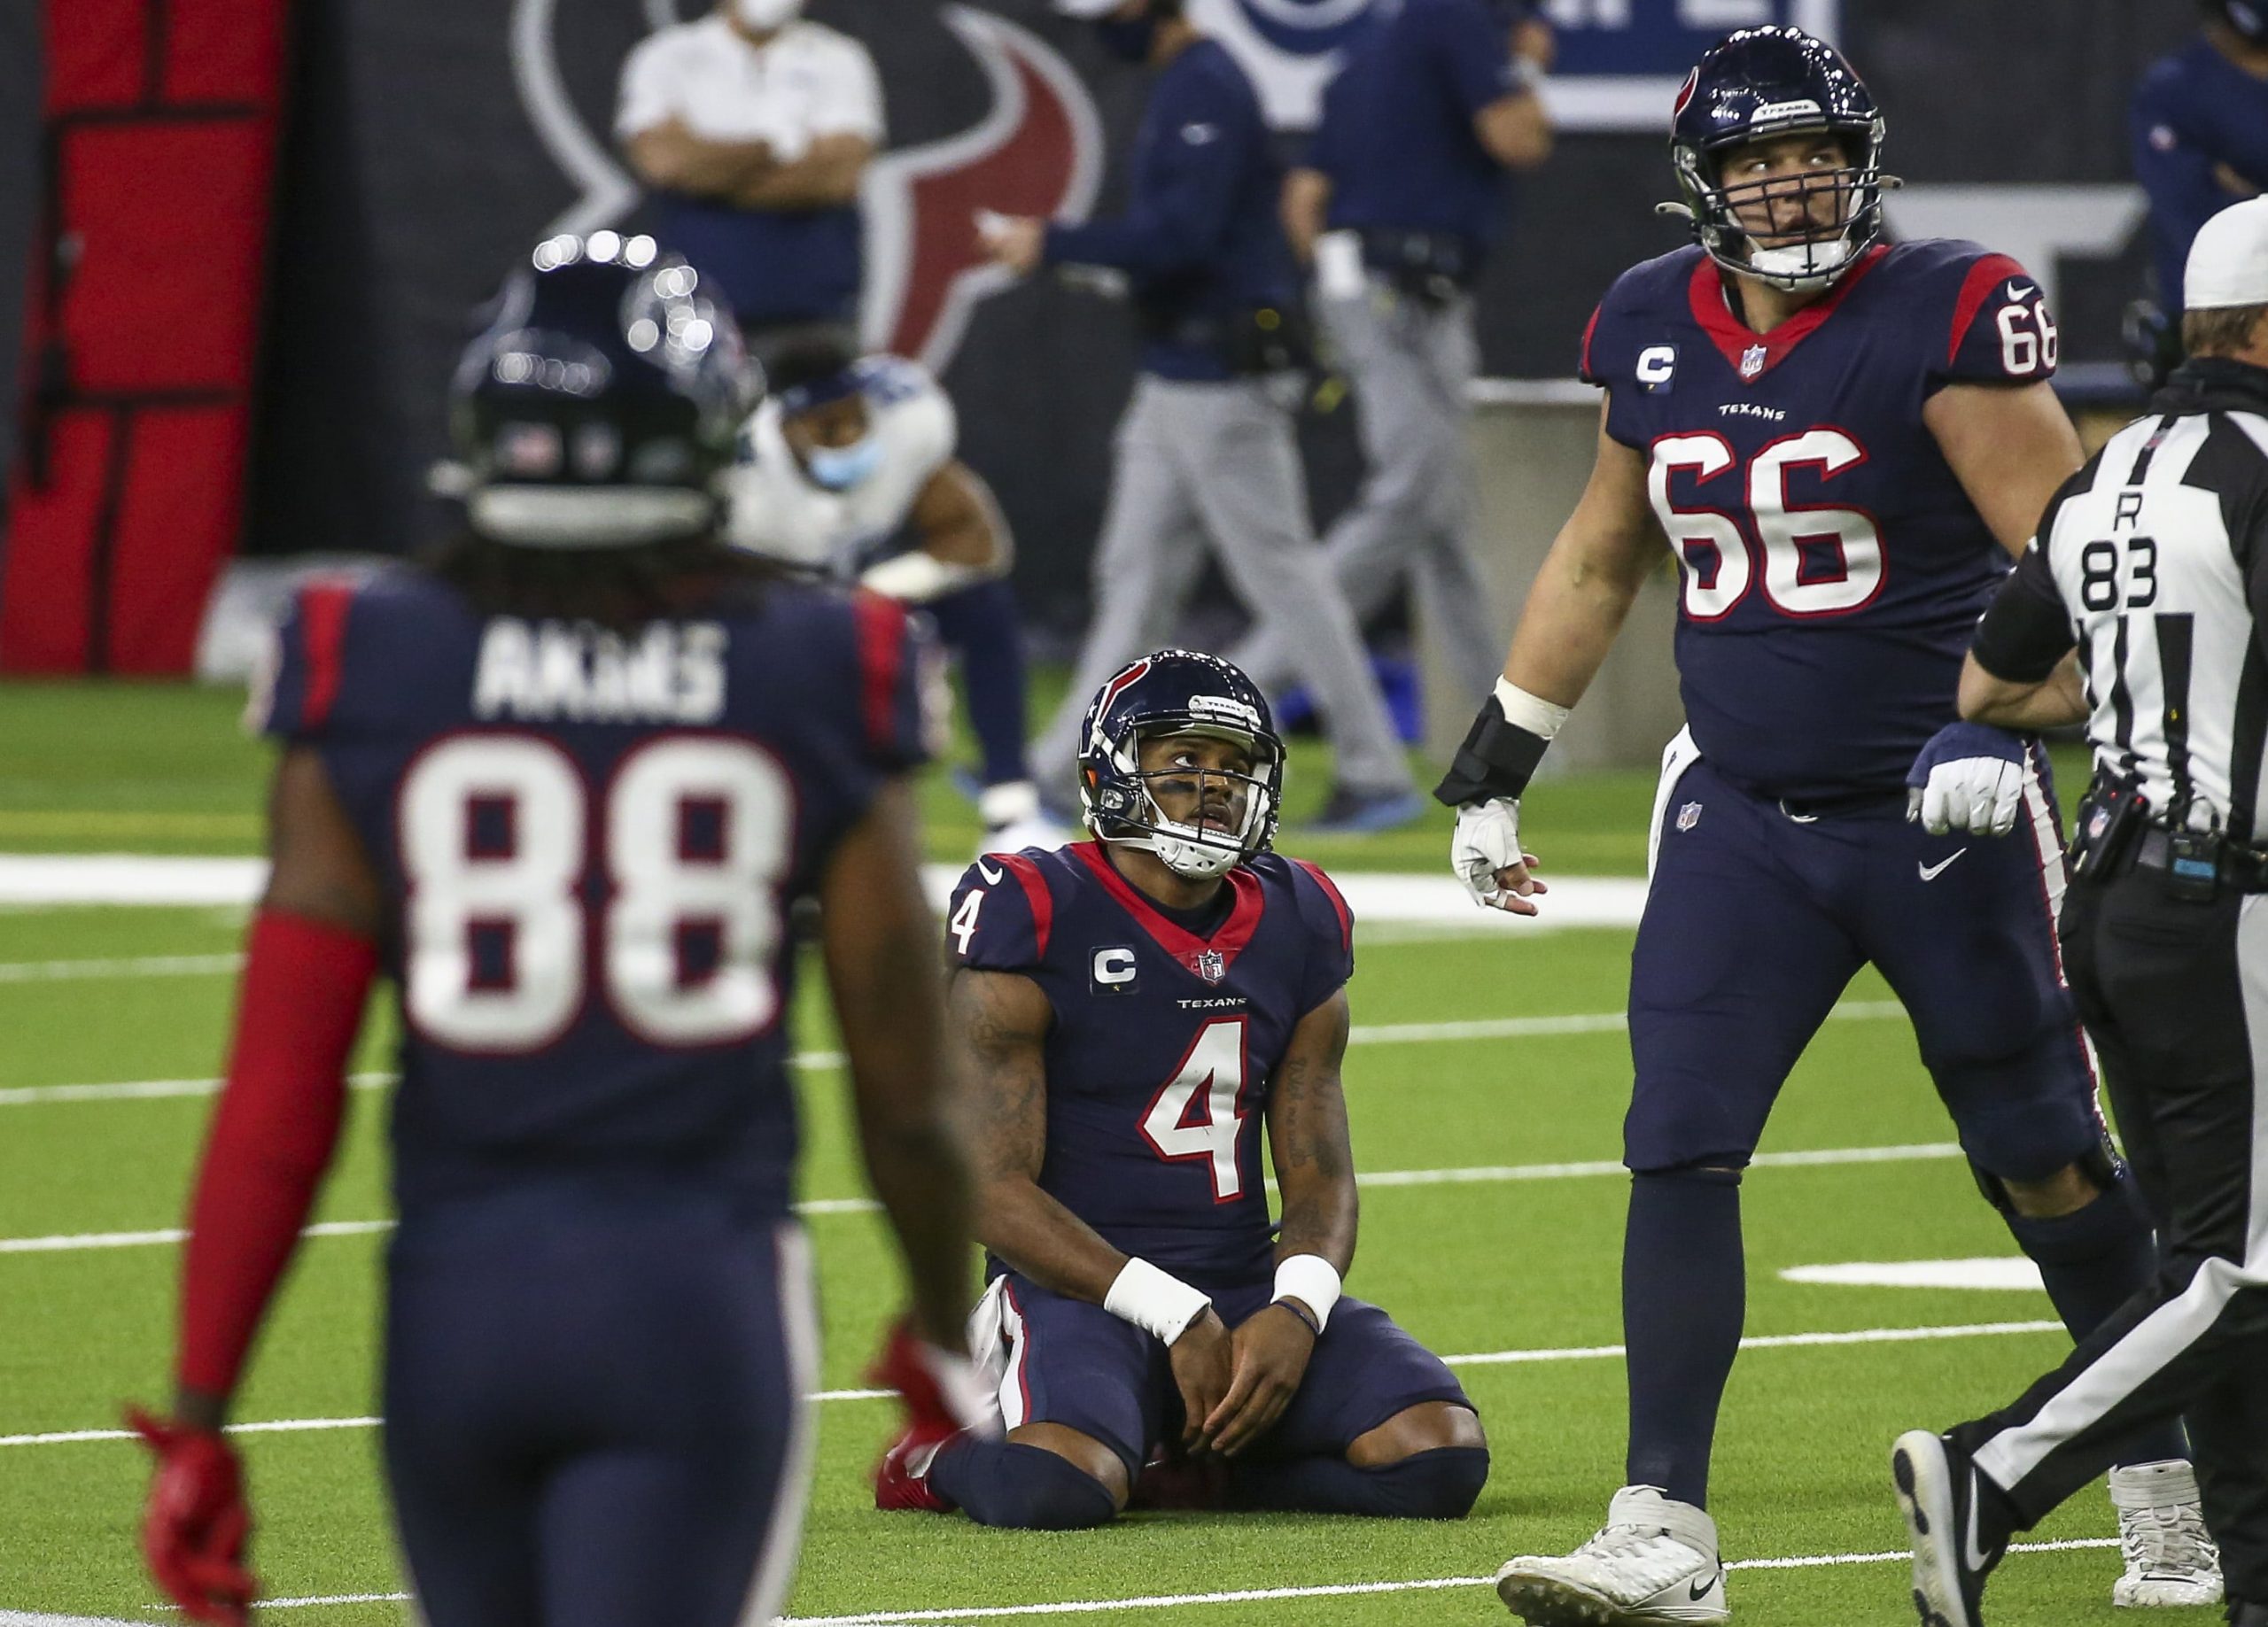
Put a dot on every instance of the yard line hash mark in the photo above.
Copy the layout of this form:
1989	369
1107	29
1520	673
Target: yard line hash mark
1581	1352
1257	1595
1481	1175
1373	1033
144	965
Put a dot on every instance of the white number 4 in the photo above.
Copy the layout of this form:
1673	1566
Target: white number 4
2027	350
964	922
1214	1068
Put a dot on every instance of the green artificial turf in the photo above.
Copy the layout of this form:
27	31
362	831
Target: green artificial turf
1500	1256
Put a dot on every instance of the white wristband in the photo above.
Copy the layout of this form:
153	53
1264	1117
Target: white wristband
1154	1301
1539	717
1311	1280
917	578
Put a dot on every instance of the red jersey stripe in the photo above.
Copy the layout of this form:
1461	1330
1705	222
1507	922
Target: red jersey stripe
322	628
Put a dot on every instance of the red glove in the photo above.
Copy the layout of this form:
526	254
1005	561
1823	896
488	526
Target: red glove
193	1531
941	1392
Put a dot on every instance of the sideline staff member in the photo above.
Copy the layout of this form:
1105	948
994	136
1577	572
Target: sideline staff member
1206	449
2154	561
1409	170
754	127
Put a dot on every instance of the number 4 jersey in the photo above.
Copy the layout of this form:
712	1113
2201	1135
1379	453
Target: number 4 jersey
1165	1039
590	840
1832	569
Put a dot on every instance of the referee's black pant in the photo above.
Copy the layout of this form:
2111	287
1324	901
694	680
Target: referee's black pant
2175	995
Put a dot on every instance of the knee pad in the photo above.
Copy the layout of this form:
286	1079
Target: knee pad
1030	1489
1439	1484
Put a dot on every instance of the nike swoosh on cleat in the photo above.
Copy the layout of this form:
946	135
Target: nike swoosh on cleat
1930	872
1699	1590
992	876
1972	1556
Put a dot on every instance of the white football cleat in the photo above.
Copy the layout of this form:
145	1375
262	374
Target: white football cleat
2170	1559
1654	1562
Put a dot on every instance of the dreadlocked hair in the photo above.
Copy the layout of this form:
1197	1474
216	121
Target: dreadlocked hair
616	588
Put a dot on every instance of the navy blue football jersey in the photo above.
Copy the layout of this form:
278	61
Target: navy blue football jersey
1164	1041
1832	569
591	841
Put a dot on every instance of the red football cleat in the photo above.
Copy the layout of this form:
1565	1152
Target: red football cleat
902	1478
943	1398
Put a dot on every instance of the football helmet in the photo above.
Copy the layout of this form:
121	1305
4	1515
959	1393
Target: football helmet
600	404
2248	17
1764	83
1179	691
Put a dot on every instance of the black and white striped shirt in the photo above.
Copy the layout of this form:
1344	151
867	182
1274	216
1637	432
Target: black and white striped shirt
2153	561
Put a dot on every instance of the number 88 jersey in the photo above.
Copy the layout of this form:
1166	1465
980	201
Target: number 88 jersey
589	840
1831	566
1165	1037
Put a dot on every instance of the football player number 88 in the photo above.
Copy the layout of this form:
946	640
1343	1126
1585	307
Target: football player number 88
498	833
1816	560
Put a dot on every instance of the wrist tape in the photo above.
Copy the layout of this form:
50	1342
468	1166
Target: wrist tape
1503	749
1154	1301
1313	1281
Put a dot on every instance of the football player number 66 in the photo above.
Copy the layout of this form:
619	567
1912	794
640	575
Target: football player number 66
1816	560
498	833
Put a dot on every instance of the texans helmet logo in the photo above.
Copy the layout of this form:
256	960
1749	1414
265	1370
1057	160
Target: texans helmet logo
1037	152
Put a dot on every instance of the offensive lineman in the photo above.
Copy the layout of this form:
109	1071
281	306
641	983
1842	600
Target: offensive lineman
1832	436
848	468
561	786
1136	1008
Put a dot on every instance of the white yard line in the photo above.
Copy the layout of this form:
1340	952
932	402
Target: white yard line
1173	1601
143	966
1373	1033
1580	1352
1479	1174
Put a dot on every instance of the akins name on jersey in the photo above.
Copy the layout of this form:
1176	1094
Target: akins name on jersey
1831	565
1164	1040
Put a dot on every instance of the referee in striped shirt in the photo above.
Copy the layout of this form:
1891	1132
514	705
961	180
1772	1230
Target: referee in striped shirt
2142	607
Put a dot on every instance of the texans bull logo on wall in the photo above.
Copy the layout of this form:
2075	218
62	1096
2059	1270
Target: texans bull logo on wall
1037	152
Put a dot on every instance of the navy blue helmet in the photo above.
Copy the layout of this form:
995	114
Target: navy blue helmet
599	405
1176	693
2248	18
1765	82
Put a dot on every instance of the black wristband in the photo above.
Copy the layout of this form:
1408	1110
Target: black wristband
1300	1310
1497	759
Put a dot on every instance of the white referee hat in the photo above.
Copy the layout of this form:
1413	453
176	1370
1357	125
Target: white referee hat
2228	262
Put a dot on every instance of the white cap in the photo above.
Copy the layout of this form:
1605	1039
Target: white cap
2228	262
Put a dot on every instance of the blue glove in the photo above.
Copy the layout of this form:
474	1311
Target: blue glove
1969	779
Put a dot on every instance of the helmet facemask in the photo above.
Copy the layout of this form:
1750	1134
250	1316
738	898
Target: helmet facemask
1798	232
1226	816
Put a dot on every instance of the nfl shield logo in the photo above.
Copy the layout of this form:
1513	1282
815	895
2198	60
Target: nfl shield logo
1689	815
1751	361
1210	964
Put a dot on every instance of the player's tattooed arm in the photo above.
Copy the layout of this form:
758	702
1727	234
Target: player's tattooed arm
1308	1138
2010	447
1000	1021
879	941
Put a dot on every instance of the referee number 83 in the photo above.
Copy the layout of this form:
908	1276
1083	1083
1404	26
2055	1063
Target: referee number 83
2115	575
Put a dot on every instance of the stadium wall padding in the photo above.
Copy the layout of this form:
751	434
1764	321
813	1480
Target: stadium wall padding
143	325
418	176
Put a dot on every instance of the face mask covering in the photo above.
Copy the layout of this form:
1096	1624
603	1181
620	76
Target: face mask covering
1127	38
838	468
766	15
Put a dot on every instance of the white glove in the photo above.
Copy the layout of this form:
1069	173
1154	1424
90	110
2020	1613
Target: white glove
1488	840
1979	796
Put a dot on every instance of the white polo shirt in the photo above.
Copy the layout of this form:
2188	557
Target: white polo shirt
806	82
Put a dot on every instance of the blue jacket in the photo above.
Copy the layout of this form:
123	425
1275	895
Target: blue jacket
2194	111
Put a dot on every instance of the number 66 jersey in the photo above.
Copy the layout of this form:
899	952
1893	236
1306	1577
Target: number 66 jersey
1166	1035
589	840
1831	566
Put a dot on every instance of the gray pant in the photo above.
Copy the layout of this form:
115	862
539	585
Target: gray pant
1410	364
1200	463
